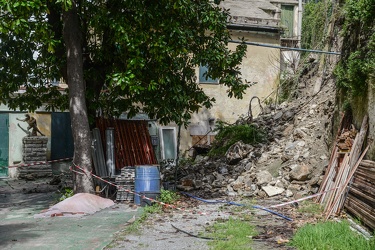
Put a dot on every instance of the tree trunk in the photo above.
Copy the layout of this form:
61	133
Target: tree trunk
83	183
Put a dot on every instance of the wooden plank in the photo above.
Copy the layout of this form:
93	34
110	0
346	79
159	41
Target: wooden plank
369	171
370	209
358	143
368	163
365	197
332	162
361	210
337	183
343	188
364	187
354	210
327	185
365	177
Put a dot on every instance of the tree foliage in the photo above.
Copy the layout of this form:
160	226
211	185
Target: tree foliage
138	55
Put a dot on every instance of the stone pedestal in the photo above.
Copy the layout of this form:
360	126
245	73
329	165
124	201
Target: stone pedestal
34	151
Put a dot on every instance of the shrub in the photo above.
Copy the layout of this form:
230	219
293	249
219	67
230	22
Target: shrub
230	134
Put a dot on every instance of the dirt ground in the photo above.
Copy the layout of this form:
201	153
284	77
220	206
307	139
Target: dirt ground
171	229
178	229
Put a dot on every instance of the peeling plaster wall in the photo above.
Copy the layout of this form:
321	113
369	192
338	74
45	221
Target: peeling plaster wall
261	65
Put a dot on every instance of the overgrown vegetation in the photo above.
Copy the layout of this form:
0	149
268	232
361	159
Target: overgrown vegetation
314	22
229	134
232	234
316	16
330	235
356	69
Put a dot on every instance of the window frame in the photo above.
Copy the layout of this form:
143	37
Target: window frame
204	79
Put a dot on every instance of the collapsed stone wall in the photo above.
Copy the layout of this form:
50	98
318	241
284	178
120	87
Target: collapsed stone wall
291	163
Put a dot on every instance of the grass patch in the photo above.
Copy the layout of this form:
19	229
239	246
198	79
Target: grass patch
330	236
309	207
237	232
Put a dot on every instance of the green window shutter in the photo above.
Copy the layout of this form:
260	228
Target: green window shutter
287	17
4	144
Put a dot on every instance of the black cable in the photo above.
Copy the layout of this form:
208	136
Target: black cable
197	236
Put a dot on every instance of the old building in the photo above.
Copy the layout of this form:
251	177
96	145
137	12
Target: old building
260	22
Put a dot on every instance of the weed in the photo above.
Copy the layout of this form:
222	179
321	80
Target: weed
330	235
67	192
310	207
238	234
168	196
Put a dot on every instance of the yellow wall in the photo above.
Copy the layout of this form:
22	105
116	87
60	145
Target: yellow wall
261	65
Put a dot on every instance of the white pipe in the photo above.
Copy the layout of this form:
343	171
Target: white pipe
299	25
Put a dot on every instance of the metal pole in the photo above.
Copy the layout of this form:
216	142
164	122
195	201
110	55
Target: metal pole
285	48
299	24
110	150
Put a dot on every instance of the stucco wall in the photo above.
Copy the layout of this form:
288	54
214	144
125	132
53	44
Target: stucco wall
16	134
261	65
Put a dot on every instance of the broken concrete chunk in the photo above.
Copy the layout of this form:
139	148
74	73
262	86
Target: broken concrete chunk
278	115
272	190
300	173
237	152
288	193
263	177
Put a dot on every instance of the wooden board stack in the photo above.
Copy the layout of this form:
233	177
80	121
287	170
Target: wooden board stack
360	201
345	159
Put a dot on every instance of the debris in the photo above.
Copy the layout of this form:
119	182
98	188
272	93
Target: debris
272	191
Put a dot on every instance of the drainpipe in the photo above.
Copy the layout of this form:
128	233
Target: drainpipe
299	25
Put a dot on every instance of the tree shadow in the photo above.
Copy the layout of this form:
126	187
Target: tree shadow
12	234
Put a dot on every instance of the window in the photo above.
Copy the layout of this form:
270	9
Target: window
287	17
168	143
203	78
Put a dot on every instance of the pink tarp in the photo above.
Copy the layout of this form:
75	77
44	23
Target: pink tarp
77	205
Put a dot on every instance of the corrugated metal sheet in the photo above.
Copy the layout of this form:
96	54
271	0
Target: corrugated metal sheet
132	141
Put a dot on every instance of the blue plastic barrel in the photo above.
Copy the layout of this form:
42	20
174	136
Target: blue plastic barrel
147	180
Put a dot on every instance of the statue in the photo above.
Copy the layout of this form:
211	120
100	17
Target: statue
31	121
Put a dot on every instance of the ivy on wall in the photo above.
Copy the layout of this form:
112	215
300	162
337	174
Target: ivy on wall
357	66
316	16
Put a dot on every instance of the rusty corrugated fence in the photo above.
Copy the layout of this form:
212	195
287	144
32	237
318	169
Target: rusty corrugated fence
132	141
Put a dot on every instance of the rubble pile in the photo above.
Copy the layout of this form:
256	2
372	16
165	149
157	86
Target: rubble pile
290	163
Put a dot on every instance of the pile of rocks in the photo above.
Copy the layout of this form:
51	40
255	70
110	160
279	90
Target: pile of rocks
291	163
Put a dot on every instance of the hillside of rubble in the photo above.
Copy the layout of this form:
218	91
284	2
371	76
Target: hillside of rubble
290	162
